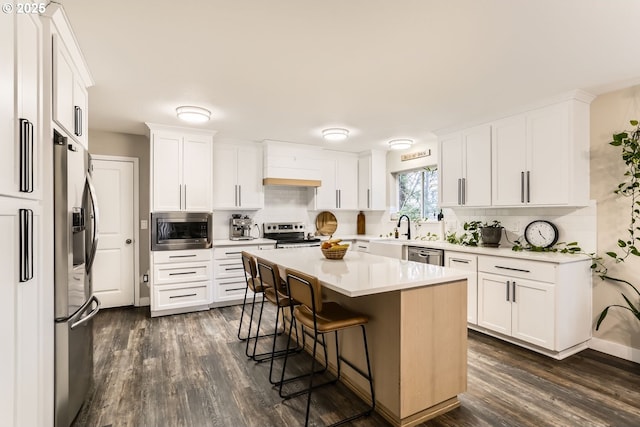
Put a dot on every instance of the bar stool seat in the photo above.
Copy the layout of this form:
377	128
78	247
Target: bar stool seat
332	318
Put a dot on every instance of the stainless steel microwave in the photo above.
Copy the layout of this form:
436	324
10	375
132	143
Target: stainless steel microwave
172	231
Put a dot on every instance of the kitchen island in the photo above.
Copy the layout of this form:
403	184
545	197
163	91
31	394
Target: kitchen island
417	328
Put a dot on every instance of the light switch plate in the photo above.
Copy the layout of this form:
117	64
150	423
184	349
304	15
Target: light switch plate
144	224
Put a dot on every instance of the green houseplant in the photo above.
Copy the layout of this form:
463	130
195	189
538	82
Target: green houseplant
629	142
474	233
491	233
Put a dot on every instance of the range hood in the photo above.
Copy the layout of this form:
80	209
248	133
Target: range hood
291	164
292	182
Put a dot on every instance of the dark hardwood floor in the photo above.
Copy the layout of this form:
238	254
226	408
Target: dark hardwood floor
191	370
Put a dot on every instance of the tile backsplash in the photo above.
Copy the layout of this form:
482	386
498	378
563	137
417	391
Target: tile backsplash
574	224
285	203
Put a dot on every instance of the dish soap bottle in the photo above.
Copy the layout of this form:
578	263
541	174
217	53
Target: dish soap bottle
395	233
361	223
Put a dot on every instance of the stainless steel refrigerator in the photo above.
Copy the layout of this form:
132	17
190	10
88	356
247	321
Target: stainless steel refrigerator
76	238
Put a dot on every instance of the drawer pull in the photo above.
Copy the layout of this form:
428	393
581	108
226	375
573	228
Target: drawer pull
232	253
463	261
182	256
513	269
234	289
182	296
183	273
234	268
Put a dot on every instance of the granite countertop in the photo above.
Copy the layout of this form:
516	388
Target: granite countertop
360	273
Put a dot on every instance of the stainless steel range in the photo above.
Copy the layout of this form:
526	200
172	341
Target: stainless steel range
289	234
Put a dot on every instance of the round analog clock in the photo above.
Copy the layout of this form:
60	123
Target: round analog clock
541	233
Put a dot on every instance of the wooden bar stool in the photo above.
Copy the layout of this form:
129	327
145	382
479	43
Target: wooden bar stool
317	319
253	284
275	291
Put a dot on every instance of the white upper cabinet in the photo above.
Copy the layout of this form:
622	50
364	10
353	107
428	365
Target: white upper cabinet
372	183
339	176
20	106
465	167
181	164
196	172
70	100
541	158
237	177
70	78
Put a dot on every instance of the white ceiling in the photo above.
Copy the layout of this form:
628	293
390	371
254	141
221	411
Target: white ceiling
286	69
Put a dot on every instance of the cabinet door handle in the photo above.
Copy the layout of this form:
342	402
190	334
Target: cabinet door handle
507	290
26	244
513	284
78	120
239	195
369	198
185	196
26	156
521	187
180	195
182	296
528	187
459	185
512	269
464	191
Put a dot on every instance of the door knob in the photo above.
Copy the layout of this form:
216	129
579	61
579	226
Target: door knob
128	241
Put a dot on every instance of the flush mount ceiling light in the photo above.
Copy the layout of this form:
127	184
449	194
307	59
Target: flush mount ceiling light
193	114
400	144
335	134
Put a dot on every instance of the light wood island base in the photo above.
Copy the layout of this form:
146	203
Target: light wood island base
418	348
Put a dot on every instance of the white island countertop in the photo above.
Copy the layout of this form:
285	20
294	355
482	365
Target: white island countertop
359	273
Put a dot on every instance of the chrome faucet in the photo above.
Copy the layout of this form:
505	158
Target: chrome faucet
408	233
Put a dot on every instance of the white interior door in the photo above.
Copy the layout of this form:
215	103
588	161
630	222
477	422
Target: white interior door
113	269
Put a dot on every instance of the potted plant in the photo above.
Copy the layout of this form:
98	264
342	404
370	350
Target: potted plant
629	142
491	233
477	231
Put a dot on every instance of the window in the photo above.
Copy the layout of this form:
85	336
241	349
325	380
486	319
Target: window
418	193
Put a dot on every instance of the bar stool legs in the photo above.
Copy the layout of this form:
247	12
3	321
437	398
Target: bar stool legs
322	318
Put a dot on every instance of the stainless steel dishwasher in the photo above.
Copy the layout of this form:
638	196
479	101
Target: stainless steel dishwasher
425	255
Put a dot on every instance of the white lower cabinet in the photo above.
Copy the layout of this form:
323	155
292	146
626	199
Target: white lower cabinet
543	306
361	246
466	262
24	322
229	283
180	281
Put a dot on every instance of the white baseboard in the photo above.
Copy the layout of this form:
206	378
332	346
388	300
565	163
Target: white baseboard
144	301
615	349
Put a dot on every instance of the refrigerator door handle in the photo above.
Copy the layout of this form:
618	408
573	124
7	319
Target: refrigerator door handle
84	307
96	220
